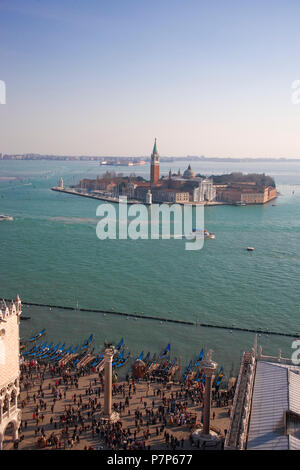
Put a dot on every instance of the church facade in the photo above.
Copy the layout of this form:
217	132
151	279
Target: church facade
205	192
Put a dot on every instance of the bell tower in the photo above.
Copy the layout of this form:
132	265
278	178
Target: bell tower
154	171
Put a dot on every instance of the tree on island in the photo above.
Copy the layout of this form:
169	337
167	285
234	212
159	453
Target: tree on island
260	179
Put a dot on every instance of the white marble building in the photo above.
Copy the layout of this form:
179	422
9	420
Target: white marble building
10	414
206	191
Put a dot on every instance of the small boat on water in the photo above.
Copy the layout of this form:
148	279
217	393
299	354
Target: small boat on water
123	361
147	358
188	369
199	233
250	248
34	348
38	335
165	351
219	377
5	217
199	358
140	357
87	342
120	344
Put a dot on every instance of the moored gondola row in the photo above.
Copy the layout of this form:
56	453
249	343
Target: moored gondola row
158	366
79	357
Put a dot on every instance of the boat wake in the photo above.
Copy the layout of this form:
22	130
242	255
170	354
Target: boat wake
73	220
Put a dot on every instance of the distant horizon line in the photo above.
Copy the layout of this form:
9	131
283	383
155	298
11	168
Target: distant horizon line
39	156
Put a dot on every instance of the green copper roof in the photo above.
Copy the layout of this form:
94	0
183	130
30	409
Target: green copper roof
155	148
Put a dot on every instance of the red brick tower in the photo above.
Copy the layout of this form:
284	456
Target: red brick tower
154	172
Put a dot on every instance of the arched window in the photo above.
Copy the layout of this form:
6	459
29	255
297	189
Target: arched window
13	398
5	404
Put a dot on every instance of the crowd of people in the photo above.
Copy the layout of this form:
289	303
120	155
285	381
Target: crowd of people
62	409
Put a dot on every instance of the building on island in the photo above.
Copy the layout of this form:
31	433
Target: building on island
245	193
206	191
10	414
265	195
188	173
170	195
149	197
154	169
265	414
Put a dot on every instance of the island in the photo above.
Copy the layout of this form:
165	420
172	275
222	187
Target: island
187	188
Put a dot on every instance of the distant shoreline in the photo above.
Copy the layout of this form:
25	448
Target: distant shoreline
165	159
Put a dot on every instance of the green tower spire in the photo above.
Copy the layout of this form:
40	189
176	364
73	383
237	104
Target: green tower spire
155	147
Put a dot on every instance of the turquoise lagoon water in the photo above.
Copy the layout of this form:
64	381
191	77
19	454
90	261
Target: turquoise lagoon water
50	254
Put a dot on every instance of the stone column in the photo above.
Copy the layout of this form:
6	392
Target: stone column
15	431
207	402
108	356
209	368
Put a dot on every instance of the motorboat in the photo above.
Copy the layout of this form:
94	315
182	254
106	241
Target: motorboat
199	233
6	217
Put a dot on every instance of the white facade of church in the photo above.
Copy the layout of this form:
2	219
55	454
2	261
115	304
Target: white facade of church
206	191
10	414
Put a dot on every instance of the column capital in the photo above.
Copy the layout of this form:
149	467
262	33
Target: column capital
109	354
209	367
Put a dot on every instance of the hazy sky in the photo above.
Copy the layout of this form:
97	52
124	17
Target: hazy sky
104	77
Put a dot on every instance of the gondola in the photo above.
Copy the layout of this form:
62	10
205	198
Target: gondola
52	351
199	358
87	342
147	358
123	361
165	351
59	353
118	358
45	350
140	357
34	348
37	336
120	344
188	369
219	377
97	360
171	365
34	353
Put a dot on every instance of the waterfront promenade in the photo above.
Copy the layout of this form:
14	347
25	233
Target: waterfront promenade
116	200
100	197
62	411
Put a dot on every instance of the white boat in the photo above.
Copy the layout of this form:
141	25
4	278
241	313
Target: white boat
250	248
5	217
199	233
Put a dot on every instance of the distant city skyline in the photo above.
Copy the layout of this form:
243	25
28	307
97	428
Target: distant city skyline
104	78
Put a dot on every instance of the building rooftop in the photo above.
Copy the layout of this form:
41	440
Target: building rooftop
275	410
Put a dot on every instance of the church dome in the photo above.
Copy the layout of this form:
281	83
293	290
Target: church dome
189	173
